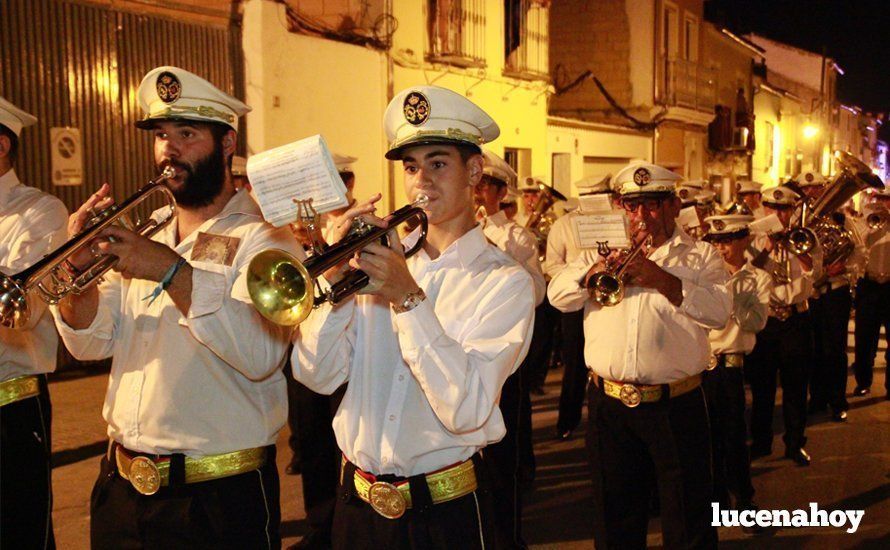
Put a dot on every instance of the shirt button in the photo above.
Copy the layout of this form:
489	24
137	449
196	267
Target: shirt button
392	417
385	460
401	377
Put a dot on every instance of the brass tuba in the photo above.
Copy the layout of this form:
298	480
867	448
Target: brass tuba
283	289
815	224
541	218
54	277
607	287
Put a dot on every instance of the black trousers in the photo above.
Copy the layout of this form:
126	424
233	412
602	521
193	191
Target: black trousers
786	348
665	445
542	344
725	392
464	523
830	314
237	512
574	378
319	455
26	519
510	462
872	313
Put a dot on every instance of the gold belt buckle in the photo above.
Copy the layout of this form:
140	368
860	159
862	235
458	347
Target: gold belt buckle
387	500
712	363
630	395
144	475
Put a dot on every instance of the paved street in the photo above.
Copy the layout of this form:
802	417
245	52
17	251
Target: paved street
850	470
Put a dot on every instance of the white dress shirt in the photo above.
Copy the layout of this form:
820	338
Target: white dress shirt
646	339
32	224
750	288
562	248
423	385
209	382
877	243
520	244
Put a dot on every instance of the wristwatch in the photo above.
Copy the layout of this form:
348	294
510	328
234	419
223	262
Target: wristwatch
411	301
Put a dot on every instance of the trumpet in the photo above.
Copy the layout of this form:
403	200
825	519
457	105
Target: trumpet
53	277
282	288
607	287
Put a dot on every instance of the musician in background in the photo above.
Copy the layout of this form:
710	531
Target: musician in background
785	345
647	420
32	224
196	395
749	193
562	249
873	294
688	190
426	351
511	461
830	307
724	382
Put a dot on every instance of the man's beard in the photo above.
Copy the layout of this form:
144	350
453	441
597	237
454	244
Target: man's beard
203	182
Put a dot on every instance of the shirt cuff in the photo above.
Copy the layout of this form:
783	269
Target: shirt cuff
688	306
101	327
419	327
208	292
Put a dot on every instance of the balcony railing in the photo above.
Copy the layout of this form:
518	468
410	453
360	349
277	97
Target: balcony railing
457	31
526	38
688	84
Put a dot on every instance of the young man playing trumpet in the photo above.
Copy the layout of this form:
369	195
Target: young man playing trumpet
427	351
647	420
196	395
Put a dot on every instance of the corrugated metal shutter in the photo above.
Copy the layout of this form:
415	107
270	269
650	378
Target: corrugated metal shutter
79	65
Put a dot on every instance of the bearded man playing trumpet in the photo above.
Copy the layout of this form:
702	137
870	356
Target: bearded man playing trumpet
647	420
196	394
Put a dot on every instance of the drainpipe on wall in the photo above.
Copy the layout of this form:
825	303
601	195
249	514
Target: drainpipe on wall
390	93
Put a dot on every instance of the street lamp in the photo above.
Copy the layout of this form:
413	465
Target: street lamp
810	130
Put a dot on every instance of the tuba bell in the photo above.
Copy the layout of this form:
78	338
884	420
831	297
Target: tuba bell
53	277
815	224
283	289
542	218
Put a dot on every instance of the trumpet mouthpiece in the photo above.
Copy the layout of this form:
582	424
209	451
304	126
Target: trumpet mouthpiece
169	172
421	201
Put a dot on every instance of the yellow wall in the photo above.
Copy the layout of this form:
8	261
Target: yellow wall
603	146
300	85
766	110
341	91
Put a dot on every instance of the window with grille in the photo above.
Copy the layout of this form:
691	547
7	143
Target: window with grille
456	31
526	25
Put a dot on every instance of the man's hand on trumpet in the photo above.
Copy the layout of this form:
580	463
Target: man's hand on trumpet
343	224
98	201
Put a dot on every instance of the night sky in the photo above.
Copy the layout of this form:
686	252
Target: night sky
856	33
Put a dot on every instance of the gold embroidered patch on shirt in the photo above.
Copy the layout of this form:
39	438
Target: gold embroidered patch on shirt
215	249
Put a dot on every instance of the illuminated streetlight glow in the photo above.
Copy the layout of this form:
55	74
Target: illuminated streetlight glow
810	131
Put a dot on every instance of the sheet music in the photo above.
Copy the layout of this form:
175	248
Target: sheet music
766	225
300	170
595	204
590	229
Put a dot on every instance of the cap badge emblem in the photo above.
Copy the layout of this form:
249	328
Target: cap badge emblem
778	195
168	87
719	225
684	193
738	187
642	177
809	177
416	108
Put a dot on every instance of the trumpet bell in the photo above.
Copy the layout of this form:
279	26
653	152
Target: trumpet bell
281	287
606	289
801	240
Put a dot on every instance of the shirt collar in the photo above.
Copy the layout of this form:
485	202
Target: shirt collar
240	203
498	219
7	182
466	248
679	239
